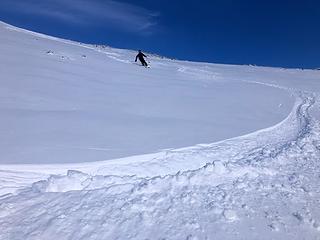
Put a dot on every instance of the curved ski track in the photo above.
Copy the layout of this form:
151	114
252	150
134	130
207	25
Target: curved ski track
269	176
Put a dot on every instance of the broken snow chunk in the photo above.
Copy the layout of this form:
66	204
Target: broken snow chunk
220	168
298	216
274	227
316	225
230	215
75	173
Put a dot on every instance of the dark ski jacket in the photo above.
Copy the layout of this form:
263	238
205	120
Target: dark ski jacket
140	56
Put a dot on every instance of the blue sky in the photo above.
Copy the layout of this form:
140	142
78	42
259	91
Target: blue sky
282	33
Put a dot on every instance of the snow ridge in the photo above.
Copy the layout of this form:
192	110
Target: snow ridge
191	204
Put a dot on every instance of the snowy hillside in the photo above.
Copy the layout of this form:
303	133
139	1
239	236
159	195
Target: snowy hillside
95	146
63	102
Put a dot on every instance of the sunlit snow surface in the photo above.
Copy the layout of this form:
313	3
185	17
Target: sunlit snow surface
66	103
80	109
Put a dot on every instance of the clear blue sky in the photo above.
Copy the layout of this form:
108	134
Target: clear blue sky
283	33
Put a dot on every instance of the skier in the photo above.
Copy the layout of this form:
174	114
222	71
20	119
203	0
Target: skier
141	58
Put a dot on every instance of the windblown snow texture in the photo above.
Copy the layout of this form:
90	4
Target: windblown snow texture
258	185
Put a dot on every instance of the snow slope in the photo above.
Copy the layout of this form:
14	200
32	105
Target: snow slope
70	105
66	102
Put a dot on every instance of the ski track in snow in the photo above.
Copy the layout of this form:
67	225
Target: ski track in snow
233	187
263	185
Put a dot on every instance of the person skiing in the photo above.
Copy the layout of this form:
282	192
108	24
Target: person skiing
141	58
